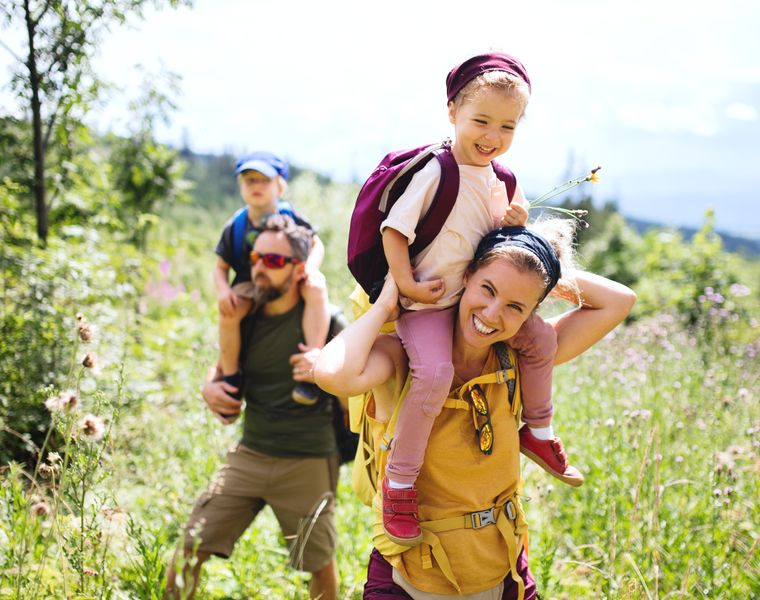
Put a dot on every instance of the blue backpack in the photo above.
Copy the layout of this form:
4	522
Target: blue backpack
239	255
389	180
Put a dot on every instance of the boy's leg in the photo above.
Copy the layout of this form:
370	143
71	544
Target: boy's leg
229	343
316	327
427	339
536	344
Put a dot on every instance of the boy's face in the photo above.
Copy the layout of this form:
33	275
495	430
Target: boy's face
484	126
258	191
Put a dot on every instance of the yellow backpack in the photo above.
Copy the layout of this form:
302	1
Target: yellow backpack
364	477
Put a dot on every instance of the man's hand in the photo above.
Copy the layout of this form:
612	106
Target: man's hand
228	301
313	286
303	363
220	402
516	213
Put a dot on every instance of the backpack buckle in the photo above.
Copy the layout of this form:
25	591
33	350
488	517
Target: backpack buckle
509	508
502	376
481	518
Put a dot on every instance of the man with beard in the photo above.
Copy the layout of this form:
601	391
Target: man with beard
287	456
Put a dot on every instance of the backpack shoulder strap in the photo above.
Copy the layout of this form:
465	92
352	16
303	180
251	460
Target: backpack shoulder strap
285	208
238	239
443	200
505	175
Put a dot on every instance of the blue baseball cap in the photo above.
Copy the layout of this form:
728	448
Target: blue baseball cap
263	162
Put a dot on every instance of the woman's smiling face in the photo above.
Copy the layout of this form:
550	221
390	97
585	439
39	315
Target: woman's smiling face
497	300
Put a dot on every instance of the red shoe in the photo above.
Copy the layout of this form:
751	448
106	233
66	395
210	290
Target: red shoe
550	456
400	520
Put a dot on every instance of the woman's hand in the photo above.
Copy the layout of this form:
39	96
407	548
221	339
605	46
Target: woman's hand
388	298
303	363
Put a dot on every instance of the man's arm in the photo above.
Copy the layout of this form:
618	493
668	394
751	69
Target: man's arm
214	392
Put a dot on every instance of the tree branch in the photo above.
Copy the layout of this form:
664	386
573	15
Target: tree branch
36	20
11	52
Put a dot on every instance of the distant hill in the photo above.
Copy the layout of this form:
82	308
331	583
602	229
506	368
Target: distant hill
214	182
731	243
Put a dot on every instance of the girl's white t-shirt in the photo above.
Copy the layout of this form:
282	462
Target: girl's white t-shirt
479	208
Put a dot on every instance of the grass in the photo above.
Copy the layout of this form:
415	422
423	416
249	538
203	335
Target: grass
662	419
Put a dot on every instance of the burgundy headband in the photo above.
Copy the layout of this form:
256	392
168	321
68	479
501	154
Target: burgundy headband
462	74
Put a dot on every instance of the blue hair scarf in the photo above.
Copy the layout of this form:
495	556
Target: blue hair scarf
528	240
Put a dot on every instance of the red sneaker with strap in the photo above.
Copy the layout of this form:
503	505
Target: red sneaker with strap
400	520
550	456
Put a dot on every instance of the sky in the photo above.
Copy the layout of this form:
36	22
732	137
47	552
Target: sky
664	95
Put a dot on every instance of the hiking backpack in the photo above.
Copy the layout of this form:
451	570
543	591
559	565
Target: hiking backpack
239	253
389	180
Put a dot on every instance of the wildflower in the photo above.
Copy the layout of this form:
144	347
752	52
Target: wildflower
89	572
738	290
89	361
85	332
561	189
53	458
54	404
66	400
679	459
45	470
92	427
609	422
40	509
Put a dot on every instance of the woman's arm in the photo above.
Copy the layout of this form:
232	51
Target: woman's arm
356	360
604	304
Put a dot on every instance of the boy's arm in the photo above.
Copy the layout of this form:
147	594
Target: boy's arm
226	297
396	248
316	255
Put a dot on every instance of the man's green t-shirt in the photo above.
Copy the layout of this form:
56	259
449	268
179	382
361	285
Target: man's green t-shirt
274	423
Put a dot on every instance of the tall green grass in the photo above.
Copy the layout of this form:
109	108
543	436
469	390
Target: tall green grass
662	418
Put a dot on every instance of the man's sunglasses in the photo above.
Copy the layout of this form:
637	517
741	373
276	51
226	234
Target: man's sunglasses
272	260
481	416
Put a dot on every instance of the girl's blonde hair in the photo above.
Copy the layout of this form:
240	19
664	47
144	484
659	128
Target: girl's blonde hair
500	81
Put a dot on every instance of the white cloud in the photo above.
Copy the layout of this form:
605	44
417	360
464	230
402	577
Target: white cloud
741	112
658	117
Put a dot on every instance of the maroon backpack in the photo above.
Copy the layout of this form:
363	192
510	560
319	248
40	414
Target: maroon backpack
366	259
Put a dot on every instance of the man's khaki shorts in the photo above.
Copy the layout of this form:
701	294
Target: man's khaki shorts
301	492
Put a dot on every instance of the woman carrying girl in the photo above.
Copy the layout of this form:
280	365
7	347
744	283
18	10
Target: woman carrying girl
472	521
487	95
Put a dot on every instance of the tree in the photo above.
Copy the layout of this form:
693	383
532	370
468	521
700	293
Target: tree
53	76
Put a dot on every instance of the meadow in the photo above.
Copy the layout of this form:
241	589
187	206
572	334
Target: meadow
102	457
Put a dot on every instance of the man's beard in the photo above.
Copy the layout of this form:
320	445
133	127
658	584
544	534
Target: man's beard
264	291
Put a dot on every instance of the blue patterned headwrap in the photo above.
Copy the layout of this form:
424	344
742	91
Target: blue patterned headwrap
524	238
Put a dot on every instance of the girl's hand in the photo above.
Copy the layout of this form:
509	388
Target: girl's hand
516	213
228	302
426	292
